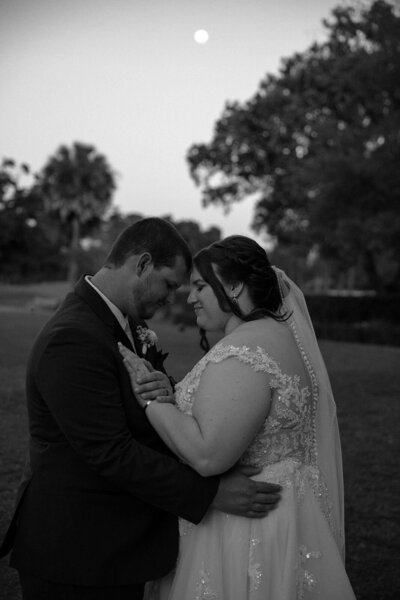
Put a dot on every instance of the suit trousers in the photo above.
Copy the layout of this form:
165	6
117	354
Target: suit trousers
34	588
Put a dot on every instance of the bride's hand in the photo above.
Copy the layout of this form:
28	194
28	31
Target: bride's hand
147	384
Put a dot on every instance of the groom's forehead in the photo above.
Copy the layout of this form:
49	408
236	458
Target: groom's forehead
175	273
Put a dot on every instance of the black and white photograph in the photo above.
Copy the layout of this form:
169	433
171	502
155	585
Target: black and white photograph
199	299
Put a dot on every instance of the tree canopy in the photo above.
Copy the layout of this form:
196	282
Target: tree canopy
39	239
318	144
77	184
27	250
195	237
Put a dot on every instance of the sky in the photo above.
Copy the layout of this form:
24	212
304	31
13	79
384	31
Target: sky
128	77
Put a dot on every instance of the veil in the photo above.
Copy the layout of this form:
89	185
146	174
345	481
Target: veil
327	454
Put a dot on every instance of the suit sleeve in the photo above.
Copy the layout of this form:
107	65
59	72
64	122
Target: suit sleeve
79	380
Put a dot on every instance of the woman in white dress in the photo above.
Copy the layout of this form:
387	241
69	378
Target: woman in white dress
261	396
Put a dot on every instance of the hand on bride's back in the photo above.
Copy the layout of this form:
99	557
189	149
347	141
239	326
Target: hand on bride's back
238	494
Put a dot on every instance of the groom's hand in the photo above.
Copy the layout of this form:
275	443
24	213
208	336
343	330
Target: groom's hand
239	495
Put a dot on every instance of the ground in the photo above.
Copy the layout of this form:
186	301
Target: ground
366	383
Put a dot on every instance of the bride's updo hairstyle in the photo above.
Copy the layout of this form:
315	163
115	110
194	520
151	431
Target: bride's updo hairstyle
239	259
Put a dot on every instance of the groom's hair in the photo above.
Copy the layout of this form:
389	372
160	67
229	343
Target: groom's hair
154	235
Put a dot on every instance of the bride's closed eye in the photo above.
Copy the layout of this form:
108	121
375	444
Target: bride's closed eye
198	284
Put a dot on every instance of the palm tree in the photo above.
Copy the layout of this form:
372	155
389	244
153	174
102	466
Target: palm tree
77	185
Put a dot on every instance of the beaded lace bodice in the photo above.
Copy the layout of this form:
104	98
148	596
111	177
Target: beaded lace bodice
287	438
288	431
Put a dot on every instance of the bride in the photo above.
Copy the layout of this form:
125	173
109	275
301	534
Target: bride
261	396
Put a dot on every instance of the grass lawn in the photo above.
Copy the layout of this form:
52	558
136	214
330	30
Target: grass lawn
366	382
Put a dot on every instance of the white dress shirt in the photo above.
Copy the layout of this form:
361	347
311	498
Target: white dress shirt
122	319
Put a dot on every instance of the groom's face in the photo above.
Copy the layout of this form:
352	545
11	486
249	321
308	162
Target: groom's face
156	287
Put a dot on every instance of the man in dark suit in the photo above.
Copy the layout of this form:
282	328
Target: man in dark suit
97	515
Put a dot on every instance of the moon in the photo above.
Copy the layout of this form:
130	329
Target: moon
201	36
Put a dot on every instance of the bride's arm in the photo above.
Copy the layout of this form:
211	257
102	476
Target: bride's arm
231	404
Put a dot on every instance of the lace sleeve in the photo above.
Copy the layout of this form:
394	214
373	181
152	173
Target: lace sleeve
257	359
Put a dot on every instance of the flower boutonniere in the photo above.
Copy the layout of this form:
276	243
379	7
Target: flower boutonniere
147	337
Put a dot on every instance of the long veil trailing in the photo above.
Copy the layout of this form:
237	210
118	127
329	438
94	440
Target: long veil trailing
327	452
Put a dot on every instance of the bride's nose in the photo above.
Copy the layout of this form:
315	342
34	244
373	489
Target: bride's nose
191	298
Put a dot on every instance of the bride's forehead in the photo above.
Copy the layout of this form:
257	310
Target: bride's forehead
195	275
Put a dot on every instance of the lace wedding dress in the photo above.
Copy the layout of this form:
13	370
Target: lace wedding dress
297	551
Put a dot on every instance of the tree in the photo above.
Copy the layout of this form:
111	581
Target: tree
319	146
194	236
77	185
27	252
113	226
96	247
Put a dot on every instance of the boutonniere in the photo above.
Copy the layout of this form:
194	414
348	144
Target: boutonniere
147	337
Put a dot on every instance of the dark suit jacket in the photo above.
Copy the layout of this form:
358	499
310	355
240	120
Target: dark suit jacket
101	503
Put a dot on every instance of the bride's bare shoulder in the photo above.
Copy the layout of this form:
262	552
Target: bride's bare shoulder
260	332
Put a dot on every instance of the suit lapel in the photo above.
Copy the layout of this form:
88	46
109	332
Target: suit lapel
97	304
133	324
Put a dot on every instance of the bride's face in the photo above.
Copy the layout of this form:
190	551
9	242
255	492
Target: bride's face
209	315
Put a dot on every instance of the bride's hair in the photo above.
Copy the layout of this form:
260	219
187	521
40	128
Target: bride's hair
239	259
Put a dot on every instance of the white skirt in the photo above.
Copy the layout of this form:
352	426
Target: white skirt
289	555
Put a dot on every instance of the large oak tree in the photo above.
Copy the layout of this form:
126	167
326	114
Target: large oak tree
319	145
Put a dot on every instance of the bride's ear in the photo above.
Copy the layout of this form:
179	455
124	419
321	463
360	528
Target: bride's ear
237	289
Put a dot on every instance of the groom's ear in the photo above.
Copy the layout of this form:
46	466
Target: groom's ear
144	263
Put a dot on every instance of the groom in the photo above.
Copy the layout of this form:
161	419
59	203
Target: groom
97	513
